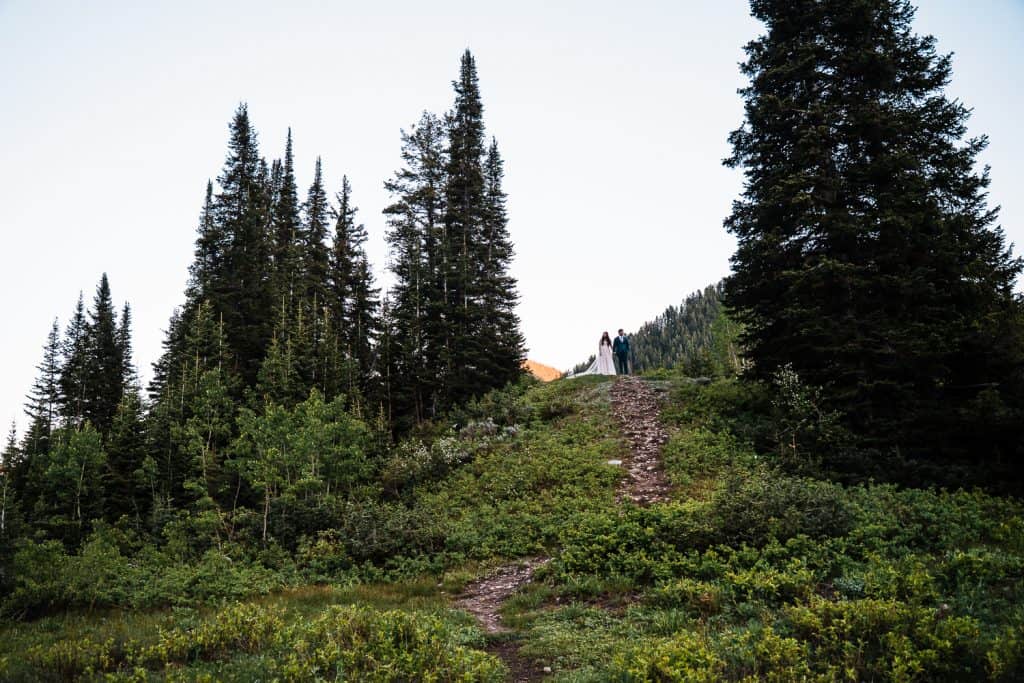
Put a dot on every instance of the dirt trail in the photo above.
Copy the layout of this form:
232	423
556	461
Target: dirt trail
483	599
485	596
635	406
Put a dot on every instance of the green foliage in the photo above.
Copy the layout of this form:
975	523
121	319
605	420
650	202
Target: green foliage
304	455
765	575
247	640
698	337
867	259
71	494
110	570
752	573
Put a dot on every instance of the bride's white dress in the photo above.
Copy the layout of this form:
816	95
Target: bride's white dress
605	364
602	365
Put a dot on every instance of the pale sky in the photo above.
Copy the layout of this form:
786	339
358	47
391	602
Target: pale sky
612	118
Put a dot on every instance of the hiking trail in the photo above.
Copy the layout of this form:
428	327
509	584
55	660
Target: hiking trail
635	407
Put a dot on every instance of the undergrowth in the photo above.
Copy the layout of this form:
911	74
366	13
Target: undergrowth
759	568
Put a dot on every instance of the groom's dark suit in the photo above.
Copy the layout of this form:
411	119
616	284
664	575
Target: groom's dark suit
621	348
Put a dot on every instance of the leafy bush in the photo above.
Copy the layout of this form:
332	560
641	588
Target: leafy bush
755	506
49	578
342	643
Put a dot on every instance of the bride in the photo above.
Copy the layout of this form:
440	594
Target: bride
603	364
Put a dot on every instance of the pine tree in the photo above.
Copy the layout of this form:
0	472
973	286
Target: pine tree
74	359
105	364
242	291
363	325
44	401
209	251
353	298
286	226
498	323
10	459
418	318
867	258
129	376
124	489
463	223
315	253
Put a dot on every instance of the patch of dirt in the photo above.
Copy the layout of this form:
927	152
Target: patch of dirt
520	669
484	597
635	405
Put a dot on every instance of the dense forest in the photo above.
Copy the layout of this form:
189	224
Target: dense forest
318	466
285	373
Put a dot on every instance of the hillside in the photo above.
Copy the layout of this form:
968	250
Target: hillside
738	570
545	373
696	336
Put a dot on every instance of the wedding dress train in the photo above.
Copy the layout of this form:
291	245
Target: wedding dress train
602	365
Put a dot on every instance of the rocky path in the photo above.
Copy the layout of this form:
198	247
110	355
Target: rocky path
485	596
635	406
483	599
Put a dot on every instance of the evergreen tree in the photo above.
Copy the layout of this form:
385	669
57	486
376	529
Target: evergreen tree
363	325
867	258
9	461
44	398
125	490
129	376
498	330
315	253
74	359
286	226
418	318
241	291
209	251
353	298
105	364
463	223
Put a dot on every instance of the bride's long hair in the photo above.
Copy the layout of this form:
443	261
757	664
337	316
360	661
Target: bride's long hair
605	339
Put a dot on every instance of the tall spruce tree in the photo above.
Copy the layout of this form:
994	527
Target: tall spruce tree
352	298
418	318
242	291
125	491
315	252
498	323
43	404
209	251
463	222
10	459
124	346
74	359
867	258
105	362
286	226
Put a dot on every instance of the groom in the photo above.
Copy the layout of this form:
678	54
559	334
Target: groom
621	348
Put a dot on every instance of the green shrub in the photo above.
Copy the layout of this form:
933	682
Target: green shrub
342	643
873	639
753	507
